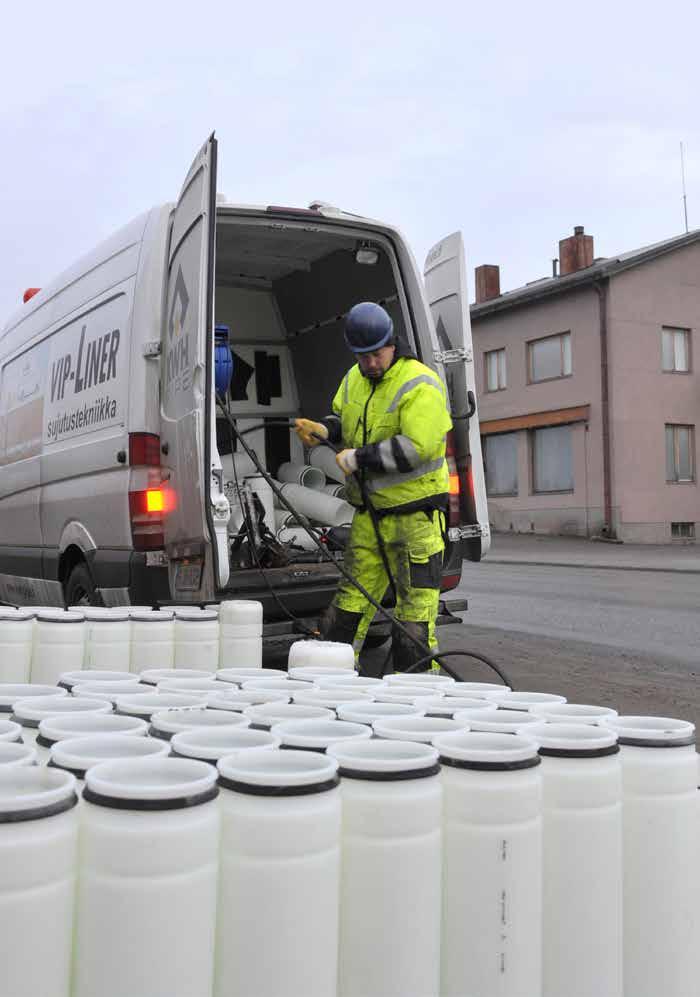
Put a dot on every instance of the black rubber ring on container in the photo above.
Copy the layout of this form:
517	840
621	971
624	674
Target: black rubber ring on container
17	816
611	749
66	685
8	708
176	803
164	735
262	727
139	716
640	742
390	776
46	742
24	722
78	773
304	747
459	763
194	758
251	790
446	716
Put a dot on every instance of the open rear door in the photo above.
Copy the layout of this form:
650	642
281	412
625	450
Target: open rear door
446	290
187	386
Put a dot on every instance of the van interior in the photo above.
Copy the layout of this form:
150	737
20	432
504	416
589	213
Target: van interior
282	289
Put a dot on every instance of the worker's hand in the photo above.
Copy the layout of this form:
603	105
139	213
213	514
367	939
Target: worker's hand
347	461
308	432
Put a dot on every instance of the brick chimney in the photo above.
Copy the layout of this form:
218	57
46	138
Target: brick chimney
488	282
576	252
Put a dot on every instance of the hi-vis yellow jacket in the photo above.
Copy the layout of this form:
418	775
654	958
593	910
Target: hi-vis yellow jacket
398	426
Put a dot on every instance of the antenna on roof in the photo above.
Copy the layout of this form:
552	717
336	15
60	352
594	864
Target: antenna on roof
685	199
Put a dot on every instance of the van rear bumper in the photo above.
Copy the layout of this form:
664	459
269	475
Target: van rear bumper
123	576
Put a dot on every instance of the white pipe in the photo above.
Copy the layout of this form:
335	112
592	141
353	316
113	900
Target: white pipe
297	536
391	852
302	474
337	491
492	866
317	506
582	860
324	458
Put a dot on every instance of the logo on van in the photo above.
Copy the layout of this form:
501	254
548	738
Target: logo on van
178	309
178	376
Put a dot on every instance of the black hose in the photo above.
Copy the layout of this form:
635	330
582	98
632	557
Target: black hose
459	654
303	522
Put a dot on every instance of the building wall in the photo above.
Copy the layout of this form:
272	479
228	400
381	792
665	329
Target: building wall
663	292
580	511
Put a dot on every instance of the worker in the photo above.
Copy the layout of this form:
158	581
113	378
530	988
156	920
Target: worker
391	416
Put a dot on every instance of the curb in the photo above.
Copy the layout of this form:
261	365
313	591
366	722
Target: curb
593	567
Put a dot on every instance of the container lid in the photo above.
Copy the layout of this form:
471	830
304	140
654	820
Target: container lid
102	614
575	713
10	730
366	713
447	706
62	726
423	729
202	684
237	676
266	684
16	615
152	676
238	701
211	745
429	678
78	754
196	615
240	611
60	616
259	772
332	698
487	752
149	703
652	732
68	679
30	792
495	720
266	714
150	784
11	692
316	735
15	753
152	616
524	700
29	712
168	722
385	761
571	740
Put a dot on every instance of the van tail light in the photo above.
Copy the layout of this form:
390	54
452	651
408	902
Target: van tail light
144	450
454	486
147	507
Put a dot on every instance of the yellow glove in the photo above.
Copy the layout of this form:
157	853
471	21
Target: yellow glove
305	430
347	461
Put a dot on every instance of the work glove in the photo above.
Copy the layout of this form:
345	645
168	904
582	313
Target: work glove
347	461
305	430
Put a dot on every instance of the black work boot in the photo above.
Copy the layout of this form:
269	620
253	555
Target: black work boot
406	653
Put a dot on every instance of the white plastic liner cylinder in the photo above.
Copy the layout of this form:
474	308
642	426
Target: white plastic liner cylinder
573	713
59	644
405	694
422	729
492	871
11	692
13	753
152	640
324	458
10	730
240	633
38	840
154	676
284	685
107	638
196	636
280	866
317	735
441	682
360	712
582	860
318	506
239	701
204	684
211	744
145	705
16	639
164	725
497	721
447	706
266	715
312	673
146	899
390	869
349	683
321	653
479	689
237	676
524	700
68	680
331	697
660	849
30	712
109	691
78	754
302	474
60	727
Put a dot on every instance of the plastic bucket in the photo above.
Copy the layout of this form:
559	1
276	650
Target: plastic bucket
110	692
59	644
266	715
312	673
317	735
239	701
30	712
16	639
169	722
153	676
447	706
240	633
10	731
332	698
152	640
524	700
412	728
63	726
14	753
495	721
196	635
360	712
11	692
67	680
409	695
271	684
432	678
237	676
209	745
78	754
107	638
201	685
573	713
147	704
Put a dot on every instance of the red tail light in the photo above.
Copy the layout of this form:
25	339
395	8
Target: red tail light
454	483
147	507
144	450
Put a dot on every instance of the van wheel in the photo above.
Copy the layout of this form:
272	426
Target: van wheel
80	590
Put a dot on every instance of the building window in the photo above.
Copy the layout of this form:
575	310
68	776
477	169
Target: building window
675	350
501	460
682	531
552	460
680	453
495	370
549	358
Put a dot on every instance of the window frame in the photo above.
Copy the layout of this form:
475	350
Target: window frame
500	387
541	339
531	445
688	349
692	456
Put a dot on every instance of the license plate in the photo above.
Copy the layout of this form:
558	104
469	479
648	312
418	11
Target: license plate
188	577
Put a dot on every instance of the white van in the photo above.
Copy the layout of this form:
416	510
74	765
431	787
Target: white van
120	482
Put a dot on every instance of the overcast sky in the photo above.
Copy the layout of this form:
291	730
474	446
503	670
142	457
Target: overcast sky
511	121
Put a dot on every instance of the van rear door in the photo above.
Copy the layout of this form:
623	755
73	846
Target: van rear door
187	385
446	290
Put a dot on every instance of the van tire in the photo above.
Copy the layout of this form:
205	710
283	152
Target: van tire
80	589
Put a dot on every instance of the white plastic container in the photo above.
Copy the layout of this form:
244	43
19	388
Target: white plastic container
492	870
78	754
495	721
13	753
285	685
38	839
312	673
582	860
266	715
10	693
146	900
169	722
60	727
421	729
350	683
302	474
110	691
70	679
660	849
145	704
107	638
152	640
211	744
203	685
154	676
321	652
317	735
237	676
390	900
240	634
431	678
447	706
331	698
287	881
478	689
524	700
16	639
406	694
239	701
197	639
573	713
59	644
10	731
30	712
359	712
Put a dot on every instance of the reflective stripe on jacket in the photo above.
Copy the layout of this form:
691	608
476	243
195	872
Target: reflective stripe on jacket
398	424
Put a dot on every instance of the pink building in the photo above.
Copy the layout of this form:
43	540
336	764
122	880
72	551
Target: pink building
589	395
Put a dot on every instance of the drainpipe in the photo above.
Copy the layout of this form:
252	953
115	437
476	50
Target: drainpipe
601	288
